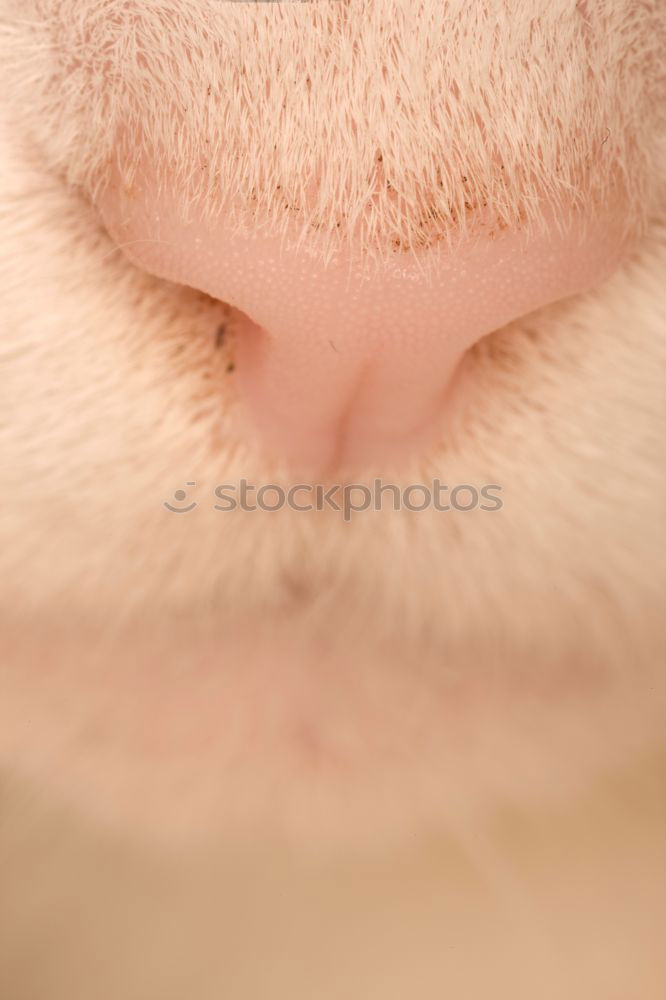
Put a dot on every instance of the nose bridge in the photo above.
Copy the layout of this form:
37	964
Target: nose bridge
296	296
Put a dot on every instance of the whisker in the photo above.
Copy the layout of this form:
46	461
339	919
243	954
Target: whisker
129	243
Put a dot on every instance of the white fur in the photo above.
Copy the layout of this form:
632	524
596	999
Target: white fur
488	687
113	395
290	105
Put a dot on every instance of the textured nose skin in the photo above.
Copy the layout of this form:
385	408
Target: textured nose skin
348	367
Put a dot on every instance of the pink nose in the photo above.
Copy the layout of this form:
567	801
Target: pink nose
348	366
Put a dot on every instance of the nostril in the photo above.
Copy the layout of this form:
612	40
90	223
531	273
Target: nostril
346	368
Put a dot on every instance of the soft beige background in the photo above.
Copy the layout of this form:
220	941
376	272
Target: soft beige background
569	905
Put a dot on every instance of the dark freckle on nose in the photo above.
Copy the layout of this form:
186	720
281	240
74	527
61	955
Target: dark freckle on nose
220	335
